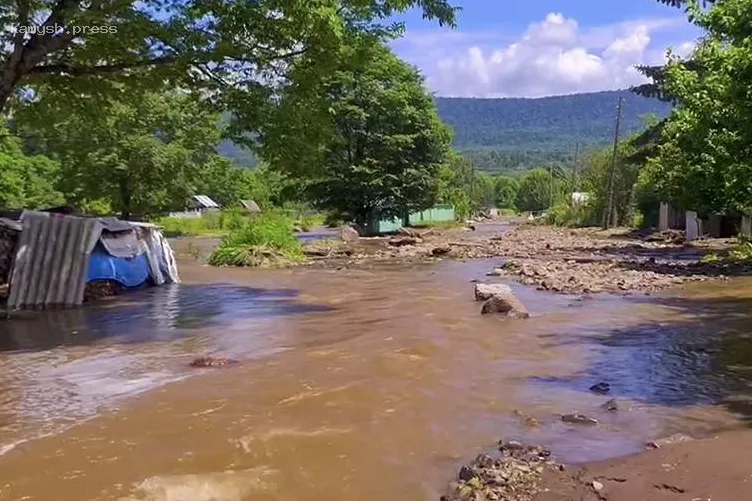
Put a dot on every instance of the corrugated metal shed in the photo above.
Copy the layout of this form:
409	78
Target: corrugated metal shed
51	260
206	201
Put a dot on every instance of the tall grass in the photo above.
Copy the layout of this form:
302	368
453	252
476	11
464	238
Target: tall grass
264	240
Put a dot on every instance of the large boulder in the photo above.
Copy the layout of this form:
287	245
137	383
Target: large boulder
499	298
349	234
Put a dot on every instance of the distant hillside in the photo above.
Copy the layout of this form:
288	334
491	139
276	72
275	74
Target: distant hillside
515	134
548	123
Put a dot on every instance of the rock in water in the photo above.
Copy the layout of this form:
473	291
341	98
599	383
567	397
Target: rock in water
601	388
579	419
349	234
483	292
499	298
212	362
503	305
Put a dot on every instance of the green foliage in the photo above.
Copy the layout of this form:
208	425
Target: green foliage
595	179
454	181
704	160
366	143
264	240
141	156
537	190
228	184
93	52
506	192
210	223
26	181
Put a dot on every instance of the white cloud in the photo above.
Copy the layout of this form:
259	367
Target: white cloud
554	56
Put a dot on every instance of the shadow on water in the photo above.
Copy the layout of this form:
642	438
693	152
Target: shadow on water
156	314
698	354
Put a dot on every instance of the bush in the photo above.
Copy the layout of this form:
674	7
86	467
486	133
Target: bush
264	240
571	216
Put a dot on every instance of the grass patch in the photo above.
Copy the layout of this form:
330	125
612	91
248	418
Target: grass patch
209	224
741	253
265	240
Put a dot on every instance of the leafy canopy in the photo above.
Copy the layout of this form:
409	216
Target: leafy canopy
142	156
229	49
704	161
26	181
367	140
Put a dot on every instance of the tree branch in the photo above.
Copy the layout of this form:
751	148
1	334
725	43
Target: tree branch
60	68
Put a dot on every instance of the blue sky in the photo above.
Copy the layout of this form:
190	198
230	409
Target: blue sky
532	48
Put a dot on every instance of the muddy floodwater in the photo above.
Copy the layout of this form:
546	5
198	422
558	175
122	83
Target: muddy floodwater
367	384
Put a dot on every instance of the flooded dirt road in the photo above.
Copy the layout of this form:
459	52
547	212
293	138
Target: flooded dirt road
371	383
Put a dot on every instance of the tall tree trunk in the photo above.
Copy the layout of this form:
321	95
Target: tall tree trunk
125	199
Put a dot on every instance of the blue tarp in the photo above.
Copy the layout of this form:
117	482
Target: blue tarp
130	272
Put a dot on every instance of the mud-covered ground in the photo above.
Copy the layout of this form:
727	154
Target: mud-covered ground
676	468
570	261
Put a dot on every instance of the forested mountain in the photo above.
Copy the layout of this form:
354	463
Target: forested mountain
514	134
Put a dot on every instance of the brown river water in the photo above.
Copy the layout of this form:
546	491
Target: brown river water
365	384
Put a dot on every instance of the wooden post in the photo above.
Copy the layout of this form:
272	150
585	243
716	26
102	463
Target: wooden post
612	173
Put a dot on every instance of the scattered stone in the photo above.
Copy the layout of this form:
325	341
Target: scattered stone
349	234
498	304
441	250
403	241
484	292
673	439
212	362
497	272
499	298
408	232
601	388
315	252
579	419
610	406
512	476
597	486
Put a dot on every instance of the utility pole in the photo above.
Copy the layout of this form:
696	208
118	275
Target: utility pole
609	207
574	167
551	186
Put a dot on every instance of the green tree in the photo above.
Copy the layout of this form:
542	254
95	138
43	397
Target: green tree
142	156
703	159
454	179
506	192
93	48
595	180
484	191
367	143
26	181
228	184
535	192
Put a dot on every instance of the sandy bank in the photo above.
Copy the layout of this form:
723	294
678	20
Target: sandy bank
714	469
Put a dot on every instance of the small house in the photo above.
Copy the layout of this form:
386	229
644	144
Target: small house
202	203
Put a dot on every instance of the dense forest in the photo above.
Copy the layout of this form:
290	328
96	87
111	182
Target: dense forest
515	134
